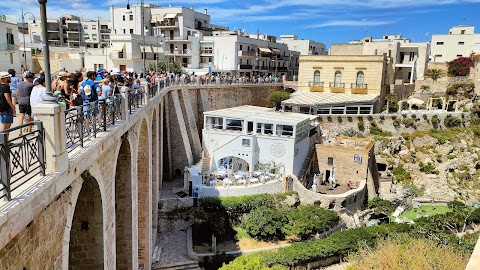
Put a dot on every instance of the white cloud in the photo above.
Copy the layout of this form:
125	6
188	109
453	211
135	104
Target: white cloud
353	23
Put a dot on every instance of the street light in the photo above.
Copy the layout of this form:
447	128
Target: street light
144	30
275	60
23	32
128	11
48	97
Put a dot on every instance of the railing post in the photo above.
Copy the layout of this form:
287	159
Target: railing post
80	124
41	145
104	113
124	104
52	116
5	172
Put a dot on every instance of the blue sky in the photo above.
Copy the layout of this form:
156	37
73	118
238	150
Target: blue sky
329	21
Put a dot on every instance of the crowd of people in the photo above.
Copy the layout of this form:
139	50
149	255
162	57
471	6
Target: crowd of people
77	88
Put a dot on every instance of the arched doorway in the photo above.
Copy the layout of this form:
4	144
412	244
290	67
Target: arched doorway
233	163
144	197
86	234
123	207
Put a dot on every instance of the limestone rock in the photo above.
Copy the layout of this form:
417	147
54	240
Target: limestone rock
292	201
425	142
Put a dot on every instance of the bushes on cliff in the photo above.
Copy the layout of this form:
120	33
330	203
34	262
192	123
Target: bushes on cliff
265	223
308	220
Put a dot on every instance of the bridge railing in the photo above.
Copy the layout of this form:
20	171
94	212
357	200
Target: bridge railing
84	122
135	98
22	157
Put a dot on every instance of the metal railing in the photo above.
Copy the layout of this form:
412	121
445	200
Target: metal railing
135	98
316	84
21	157
337	85
359	86
84	122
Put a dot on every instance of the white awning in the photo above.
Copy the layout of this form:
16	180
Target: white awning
118	47
265	50
157	49
170	16
157	18
147	48
275	50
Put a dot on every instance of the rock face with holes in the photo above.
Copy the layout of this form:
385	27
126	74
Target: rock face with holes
100	207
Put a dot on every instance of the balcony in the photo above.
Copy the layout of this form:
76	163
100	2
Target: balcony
282	69
168	25
126	56
185	52
175	39
54	38
8	47
246	54
359	88
105	31
336	87
206	52
73	30
315	86
245	67
53	29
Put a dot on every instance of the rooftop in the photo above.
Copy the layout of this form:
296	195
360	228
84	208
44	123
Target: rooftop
316	98
260	114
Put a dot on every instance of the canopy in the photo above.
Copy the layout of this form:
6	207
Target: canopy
147	48
265	50
118	47
275	50
170	16
157	18
157	49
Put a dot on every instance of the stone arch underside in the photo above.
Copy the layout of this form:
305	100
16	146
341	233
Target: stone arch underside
155	175
86	234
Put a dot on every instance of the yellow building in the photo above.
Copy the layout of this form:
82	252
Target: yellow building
368	75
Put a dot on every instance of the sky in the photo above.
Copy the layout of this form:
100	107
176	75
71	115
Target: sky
328	21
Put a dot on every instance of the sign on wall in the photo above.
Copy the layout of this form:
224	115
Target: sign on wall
357	158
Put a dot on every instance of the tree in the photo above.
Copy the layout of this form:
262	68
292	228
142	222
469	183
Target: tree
265	223
434	73
172	66
307	220
392	105
425	88
277	97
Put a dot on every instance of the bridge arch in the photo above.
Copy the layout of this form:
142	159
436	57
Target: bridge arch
85	227
144	195
155	174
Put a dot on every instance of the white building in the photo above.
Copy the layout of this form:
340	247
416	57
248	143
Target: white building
256	135
11	54
460	41
410	60
235	52
300	47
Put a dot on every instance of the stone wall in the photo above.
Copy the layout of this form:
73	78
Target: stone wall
272	187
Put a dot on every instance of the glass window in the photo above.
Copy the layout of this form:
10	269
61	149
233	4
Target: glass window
352	110
267	129
440	42
94	27
461	43
316	78
85	27
283	130
338	78
246	142
206	48
234	124
323	111
131	17
360	79
214	122
330	161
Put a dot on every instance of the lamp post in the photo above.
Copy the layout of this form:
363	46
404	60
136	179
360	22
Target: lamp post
23	32
275	61
144	30
48	97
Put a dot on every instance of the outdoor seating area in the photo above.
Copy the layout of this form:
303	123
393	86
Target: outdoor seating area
227	178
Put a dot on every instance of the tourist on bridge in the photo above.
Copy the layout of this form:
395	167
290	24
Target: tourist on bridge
61	83
23	96
38	92
14	82
90	91
7	107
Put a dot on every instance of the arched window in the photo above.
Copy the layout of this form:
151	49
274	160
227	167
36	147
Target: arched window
316	78
360	79
338	79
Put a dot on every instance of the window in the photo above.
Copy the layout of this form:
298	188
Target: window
316	78
124	31
267	129
459	55
438	55
85	27
246	142
94	36
206	48
234	124
283	130
131	31
462	32
215	123
360	79
440	42
241	47
131	17
124	17
461	43
94	27
330	161
338	79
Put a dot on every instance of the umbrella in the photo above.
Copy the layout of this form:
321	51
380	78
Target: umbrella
415	101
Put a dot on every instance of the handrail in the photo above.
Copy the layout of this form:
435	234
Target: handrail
21	157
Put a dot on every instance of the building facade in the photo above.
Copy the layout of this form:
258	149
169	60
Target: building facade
410	60
460	41
11	54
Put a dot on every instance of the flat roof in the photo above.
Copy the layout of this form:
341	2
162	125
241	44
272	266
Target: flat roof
318	98
260	114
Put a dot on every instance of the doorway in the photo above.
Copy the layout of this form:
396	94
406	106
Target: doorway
327	175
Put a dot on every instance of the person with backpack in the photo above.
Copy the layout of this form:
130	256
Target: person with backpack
7	107
90	91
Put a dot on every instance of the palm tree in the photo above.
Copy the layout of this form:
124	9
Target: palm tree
434	73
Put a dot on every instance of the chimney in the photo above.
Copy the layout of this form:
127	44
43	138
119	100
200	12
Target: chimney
206	9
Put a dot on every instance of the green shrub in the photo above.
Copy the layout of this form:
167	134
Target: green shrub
435	119
376	130
464	89
361	125
382	207
306	221
396	123
456	204
414	190
428	168
265	223
452	121
408	122
277	97
451	156
339	244
401	175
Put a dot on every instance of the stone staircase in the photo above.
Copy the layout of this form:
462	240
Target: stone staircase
206	164
311	151
385	187
188	265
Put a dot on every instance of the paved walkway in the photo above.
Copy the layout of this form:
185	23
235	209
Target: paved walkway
174	247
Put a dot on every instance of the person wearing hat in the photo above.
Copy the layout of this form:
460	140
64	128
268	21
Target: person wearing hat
99	77
7	108
90	89
14	82
61	84
23	97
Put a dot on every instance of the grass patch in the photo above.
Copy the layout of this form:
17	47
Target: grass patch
425	210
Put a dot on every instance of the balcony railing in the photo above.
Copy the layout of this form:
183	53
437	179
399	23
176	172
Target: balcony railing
21	157
315	84
176	39
245	66
282	68
185	52
246	54
165	25
8	47
337	85
73	30
359	86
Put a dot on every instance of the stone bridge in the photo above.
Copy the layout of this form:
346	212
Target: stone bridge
96	206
